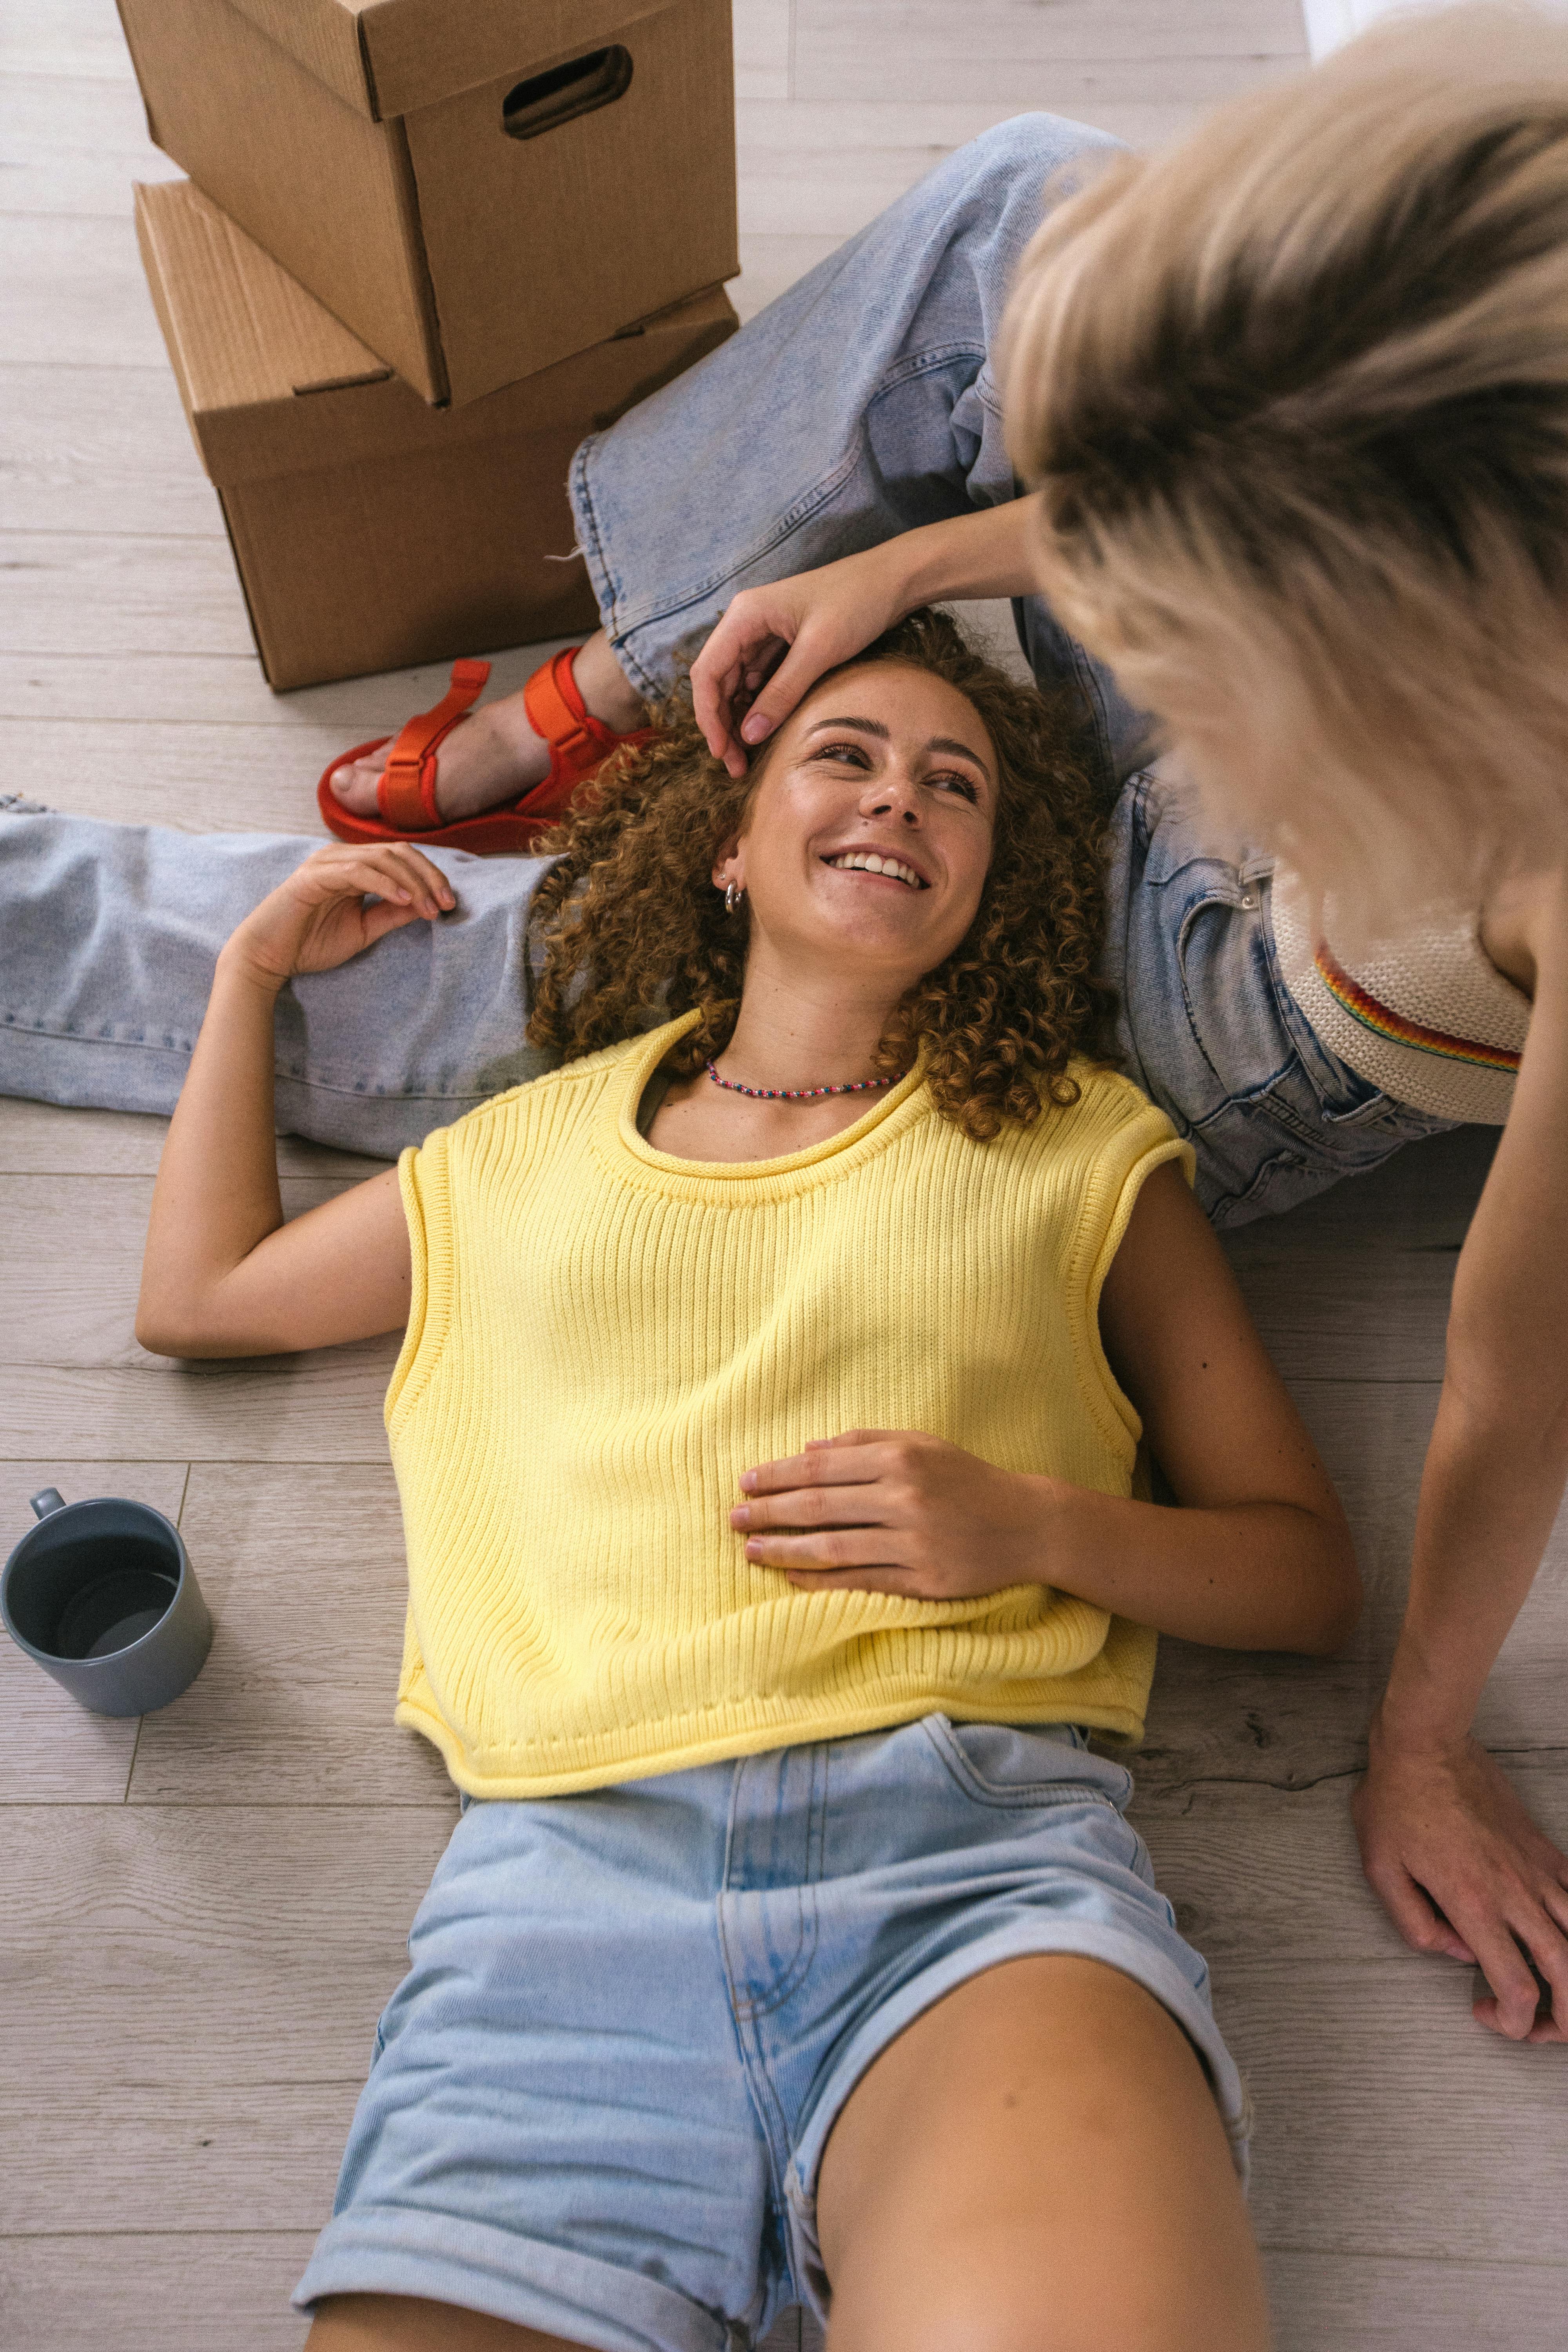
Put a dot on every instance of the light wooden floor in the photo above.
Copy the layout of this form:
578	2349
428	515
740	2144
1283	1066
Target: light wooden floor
201	1916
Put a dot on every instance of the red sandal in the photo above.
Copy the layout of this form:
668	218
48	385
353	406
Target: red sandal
405	796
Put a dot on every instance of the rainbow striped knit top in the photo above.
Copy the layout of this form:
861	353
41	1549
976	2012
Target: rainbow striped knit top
1431	1021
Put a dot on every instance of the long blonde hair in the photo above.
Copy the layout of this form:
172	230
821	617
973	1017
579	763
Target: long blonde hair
1295	395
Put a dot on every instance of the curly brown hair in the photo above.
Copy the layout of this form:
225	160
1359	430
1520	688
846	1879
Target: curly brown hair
627	927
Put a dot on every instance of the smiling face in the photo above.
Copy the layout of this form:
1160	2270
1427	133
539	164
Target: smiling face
868	839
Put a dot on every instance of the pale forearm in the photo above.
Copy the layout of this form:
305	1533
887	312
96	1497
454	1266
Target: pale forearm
775	641
1248	1576
1445	1838
1495	1468
1490	1493
986	553
217	1194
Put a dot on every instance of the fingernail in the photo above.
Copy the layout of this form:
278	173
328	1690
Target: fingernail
748	1482
754	1549
753	729
740	1516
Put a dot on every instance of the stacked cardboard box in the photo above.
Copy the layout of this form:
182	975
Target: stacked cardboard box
429	244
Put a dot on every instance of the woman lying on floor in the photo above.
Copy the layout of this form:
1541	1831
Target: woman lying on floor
1295	395
764	1426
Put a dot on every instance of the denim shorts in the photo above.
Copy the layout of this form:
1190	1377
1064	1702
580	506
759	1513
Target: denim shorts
600	2097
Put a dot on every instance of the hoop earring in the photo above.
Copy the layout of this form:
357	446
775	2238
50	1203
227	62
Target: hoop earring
733	894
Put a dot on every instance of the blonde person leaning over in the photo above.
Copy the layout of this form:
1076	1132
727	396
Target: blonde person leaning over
764	1426
1295	399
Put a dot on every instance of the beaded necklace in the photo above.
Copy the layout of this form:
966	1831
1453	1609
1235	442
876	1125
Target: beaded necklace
794	1094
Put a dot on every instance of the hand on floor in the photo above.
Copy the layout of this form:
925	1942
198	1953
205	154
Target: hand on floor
1462	1870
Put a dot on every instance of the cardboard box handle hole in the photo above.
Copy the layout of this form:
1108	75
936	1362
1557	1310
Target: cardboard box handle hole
544	101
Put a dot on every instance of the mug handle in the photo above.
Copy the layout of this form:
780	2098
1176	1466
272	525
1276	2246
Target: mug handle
48	1498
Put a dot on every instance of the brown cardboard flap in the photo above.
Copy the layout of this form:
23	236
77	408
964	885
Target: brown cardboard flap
363	423
317	183
273	384
390	56
369	529
321	35
240	330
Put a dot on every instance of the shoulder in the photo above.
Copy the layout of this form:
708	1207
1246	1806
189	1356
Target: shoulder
1523	929
544	1105
1084	1153
1108	1114
1106	1094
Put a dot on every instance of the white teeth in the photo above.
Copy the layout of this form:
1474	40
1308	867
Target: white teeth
866	861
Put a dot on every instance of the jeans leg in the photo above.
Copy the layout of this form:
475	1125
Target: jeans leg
107	948
1272	1115
859	405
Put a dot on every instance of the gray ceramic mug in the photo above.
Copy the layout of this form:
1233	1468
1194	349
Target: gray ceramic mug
103	1596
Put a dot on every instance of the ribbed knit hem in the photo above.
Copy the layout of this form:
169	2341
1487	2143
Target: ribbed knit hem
1120	1723
400	2250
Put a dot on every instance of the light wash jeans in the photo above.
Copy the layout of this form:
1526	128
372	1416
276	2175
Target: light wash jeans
859	404
1211	1033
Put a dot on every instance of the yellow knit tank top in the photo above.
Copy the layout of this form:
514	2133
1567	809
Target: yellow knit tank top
602	1337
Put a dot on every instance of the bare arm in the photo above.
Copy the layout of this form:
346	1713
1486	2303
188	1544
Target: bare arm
774	642
1260	1557
1445	1841
1260	1552
223	1274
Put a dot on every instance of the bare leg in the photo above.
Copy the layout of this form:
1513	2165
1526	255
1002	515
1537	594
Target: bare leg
1037	2166
399	2323
495	754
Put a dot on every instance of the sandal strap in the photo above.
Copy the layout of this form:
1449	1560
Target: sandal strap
579	743
405	795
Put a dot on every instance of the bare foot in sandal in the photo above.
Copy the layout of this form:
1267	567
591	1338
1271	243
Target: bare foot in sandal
495	755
